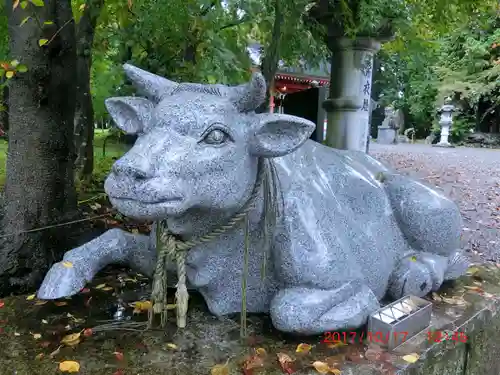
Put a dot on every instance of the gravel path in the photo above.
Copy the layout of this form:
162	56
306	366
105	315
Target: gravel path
470	176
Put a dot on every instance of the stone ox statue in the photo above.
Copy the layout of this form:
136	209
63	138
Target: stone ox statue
347	231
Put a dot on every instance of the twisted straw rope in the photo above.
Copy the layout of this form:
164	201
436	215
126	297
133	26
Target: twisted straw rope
170	247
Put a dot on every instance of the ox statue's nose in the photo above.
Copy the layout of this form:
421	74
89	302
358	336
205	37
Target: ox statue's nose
138	169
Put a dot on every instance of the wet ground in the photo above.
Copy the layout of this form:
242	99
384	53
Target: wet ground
470	176
36	337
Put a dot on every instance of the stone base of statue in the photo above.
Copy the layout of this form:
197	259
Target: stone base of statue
444	145
386	135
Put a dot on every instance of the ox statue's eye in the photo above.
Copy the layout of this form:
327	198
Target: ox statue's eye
216	137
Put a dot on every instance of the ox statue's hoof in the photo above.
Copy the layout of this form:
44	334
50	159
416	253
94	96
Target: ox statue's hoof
62	280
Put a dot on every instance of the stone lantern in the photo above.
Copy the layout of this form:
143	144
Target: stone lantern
445	122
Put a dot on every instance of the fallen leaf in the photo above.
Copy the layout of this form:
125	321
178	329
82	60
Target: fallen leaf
474	288
373	354
261	351
285	362
67	264
336	344
60	303
2	304
55	352
31	297
71	339
220	370
107	288
472	270
37	336
17	334
69	366
45	321
413	258
411	358
458	301
87	332
16	4
303	348
40	302
253	362
321	367
171	306
437	297
135	231
171	346
100	286
39	356
118	355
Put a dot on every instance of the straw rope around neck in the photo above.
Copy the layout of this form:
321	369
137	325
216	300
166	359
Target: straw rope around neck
170	247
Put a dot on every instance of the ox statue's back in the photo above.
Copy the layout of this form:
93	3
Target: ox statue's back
347	231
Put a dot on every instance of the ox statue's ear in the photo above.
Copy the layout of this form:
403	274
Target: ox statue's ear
277	135
131	114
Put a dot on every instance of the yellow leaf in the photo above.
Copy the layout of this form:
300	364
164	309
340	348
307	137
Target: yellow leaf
171	346
69	366
411	358
472	270
171	306
16	4
67	264
303	348
220	370
82	7
135	231
30	297
40	302
45	321
71	340
336	344
107	288
140	306
321	367
37	336
14	63
335	371
100	286
261	351
413	258
42	42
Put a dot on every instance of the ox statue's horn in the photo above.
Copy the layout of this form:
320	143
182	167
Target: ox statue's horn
152	86
249	96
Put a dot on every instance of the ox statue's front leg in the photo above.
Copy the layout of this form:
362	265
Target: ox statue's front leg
80	265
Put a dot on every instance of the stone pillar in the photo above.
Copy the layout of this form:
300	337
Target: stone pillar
348	106
445	121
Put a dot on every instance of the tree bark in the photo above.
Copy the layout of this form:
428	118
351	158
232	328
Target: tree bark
39	188
272	55
84	112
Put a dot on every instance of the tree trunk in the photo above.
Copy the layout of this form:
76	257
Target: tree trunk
84	112
39	188
272	55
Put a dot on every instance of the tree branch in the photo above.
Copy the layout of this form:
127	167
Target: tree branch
208	8
236	23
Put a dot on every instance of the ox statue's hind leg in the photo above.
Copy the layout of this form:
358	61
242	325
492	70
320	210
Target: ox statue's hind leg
420	273
80	265
314	311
